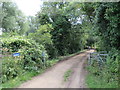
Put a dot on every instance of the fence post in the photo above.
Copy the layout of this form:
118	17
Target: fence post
43	58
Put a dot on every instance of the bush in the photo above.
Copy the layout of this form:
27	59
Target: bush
33	57
11	68
13	44
30	58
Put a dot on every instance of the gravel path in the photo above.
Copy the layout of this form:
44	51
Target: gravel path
54	77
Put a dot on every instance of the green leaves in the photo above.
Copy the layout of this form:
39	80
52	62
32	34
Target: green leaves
30	57
42	35
15	43
11	68
107	17
108	73
13	20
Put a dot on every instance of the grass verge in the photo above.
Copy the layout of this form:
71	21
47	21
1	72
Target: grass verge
20	79
101	78
98	82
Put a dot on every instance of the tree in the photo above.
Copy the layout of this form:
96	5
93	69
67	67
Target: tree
2	15
107	23
69	21
33	25
14	20
61	33
43	36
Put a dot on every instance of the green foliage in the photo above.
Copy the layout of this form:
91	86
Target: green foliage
43	19
90	41
13	19
96	82
33	25
43	36
33	58
61	33
27	75
107	31
30	57
88	10
67	35
67	75
13	44
11	68
108	73
107	24
60	28
78	43
51	50
51	62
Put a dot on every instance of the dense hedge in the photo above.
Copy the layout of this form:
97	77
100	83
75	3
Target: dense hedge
30	58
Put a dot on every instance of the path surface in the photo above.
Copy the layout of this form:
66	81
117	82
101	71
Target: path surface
54	77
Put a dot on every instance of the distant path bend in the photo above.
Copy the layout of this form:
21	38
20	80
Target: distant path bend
54	77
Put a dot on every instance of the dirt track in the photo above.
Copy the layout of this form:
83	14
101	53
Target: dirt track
54	77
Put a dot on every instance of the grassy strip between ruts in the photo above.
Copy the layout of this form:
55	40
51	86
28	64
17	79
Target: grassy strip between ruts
28	75
67	75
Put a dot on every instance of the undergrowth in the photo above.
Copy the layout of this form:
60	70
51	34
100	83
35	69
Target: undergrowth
105	76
